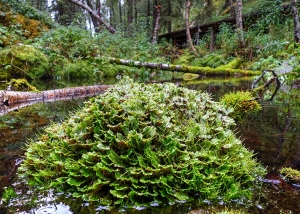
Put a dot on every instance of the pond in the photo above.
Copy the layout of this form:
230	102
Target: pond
273	134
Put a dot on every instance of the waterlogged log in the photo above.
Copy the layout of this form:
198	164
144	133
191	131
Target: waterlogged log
204	71
12	100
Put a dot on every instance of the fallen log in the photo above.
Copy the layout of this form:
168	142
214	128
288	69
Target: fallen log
204	71
12	100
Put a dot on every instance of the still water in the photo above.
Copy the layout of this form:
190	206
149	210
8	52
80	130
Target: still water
273	134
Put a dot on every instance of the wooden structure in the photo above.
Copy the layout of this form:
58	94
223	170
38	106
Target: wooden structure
179	37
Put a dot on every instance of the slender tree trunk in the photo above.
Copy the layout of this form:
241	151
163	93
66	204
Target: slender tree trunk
239	22
120	12
148	17
94	14
187	25
154	14
135	14
231	8
296	21
213	38
129	16
156	28
169	13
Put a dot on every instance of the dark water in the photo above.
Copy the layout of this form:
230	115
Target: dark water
273	134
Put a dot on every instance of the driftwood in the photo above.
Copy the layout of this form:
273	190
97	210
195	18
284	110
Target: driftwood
203	71
12	100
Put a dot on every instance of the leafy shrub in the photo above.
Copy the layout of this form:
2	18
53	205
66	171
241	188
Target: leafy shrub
137	144
242	102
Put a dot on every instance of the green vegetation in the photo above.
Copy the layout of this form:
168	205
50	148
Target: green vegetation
291	174
8	194
23	61
242	102
139	144
21	85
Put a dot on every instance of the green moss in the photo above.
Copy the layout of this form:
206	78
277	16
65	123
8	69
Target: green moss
137	144
23	61
232	64
291	174
242	103
21	85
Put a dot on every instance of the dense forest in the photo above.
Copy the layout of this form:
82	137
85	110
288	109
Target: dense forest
150	146
73	39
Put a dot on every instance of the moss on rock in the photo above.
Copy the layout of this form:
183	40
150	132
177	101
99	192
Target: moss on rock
138	144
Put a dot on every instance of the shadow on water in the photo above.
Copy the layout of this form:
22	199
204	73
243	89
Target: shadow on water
273	134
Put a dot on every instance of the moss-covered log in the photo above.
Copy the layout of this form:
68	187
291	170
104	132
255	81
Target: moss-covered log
11	100
205	71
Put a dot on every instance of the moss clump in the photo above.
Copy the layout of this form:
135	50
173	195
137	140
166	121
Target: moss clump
291	174
21	85
137	144
23	61
242	102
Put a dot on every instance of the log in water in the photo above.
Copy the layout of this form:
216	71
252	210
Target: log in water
12	100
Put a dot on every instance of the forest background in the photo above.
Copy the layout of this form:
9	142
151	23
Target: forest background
67	39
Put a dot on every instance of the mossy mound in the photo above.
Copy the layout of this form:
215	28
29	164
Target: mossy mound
21	85
21	61
243	104
137	144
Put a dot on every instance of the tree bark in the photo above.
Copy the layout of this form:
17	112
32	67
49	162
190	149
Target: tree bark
296	21
94	14
12	100
239	22
156	28
187	25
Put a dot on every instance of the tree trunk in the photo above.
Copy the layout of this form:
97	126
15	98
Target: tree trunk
94	14
231	8
95	21
169	21
156	28
120	12
296	21
148	17
205	71
135	14
12	100
129	16
239	22
187	25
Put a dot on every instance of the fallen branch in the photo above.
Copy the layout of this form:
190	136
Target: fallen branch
204	71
